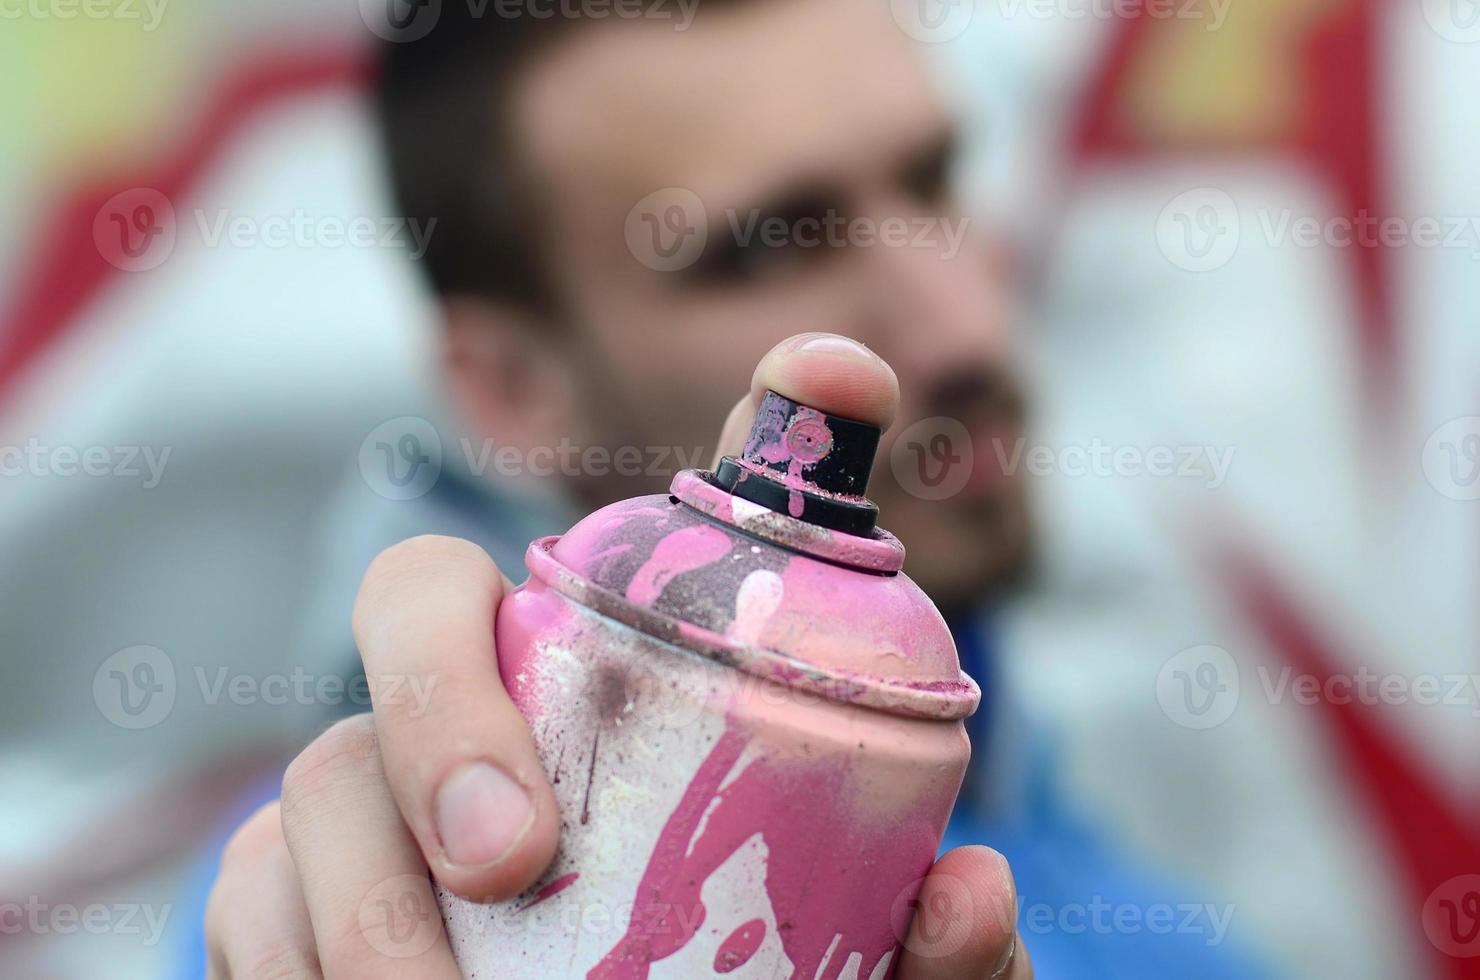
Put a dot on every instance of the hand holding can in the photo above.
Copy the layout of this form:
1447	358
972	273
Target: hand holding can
461	789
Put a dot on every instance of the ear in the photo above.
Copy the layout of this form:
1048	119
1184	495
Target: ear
506	374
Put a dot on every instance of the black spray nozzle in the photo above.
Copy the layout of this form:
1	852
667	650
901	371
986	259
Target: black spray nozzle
808	464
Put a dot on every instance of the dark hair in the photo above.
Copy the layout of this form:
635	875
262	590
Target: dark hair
451	153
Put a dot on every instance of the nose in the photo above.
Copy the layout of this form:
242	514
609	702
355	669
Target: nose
935	303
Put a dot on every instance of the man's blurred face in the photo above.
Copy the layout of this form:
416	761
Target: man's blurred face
808	141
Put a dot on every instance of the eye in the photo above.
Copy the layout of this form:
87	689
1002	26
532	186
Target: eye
927	177
729	260
750	245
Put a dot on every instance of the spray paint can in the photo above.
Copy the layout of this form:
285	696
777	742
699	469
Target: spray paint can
752	720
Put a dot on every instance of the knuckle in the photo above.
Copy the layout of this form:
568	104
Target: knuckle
230	938
217	916
402	699
283	960
348	752
402	569
257	836
346	951
412	558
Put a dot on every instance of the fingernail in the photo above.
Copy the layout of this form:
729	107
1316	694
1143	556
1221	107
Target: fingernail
1004	898
1004	962
481	814
831	343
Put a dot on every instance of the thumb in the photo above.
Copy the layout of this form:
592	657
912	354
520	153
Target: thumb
829	372
965	926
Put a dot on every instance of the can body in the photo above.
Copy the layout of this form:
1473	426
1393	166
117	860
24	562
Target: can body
735	800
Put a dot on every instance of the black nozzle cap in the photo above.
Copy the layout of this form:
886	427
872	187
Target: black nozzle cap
806	464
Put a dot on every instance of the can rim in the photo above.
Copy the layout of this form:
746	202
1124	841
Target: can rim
878	552
938	700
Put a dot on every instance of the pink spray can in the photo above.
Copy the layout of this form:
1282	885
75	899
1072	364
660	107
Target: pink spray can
752	720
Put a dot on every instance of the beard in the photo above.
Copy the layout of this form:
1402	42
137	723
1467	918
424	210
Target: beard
967	531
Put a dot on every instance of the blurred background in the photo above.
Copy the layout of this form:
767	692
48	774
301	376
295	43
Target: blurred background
1245	239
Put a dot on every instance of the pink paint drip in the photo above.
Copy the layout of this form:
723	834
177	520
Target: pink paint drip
551	890
741	945
794	807
801	445
768	435
755	603
679	552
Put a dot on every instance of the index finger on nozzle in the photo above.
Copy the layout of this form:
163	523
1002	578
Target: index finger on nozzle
831	373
